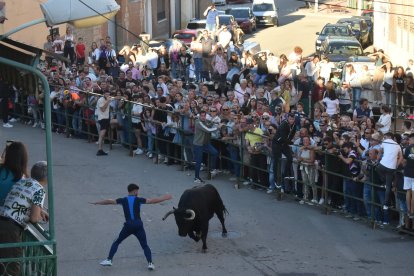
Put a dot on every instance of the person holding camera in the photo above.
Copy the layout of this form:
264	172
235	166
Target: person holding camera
102	108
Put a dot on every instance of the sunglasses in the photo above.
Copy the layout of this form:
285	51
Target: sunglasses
226	109
266	118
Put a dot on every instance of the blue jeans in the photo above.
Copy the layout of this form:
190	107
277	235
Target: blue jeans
211	27
198	157
136	228
60	118
150	143
356	96
77	122
272	185
368	190
235	159
380	214
198	64
350	190
260	79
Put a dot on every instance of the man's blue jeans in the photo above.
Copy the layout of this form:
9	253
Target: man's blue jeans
198	157
234	159
368	193
198	64
260	79
136	228
356	96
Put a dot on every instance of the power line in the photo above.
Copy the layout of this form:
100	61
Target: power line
114	21
376	11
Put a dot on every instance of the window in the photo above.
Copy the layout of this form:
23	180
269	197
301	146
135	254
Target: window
160	10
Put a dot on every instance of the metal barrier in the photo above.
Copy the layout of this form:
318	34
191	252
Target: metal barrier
234	154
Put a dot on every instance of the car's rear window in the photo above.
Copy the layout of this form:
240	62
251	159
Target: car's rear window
333	30
239	13
345	48
184	36
195	25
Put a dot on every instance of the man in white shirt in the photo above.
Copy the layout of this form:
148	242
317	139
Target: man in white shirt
102	108
240	90
391	158
224	37
312	70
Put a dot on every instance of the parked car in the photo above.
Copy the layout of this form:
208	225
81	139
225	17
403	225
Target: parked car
238	1
218	2
244	17
341	48
370	24
332	29
265	12
186	35
359	27
369	13
196	24
227	19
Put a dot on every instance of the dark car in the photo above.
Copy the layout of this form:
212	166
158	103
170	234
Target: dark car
370	24
228	20
196	24
359	27
244	17
341	48
332	30
238	1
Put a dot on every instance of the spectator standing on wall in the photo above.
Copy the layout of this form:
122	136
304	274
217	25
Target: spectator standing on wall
69	48
212	20
80	52
102	107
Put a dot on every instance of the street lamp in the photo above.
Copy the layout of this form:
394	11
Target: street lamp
80	13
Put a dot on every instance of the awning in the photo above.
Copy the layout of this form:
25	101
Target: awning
26	54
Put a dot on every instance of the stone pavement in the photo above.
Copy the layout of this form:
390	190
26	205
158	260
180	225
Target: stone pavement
267	237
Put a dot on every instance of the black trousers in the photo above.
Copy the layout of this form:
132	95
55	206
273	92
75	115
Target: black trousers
4	110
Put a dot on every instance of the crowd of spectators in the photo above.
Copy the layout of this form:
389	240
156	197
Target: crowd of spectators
276	121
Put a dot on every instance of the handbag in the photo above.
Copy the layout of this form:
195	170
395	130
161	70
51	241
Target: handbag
387	86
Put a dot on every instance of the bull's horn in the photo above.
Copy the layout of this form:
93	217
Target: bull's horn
167	214
191	212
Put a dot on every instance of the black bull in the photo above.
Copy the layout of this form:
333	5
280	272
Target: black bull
196	207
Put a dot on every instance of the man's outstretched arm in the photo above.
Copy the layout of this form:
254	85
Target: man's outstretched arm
158	199
105	202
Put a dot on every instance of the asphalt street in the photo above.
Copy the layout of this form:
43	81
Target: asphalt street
267	236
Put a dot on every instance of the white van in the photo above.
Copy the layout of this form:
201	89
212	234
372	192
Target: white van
265	12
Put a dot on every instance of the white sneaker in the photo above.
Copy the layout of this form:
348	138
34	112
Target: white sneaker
139	151
314	201
7	125
232	178
214	173
42	125
150	155
269	191
106	262
247	182
321	201
34	125
12	120
151	266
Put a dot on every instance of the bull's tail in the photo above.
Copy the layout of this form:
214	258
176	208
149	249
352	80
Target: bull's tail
225	212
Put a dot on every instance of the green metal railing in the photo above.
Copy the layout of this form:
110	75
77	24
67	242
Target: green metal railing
38	259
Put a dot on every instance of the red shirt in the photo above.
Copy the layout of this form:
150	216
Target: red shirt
80	50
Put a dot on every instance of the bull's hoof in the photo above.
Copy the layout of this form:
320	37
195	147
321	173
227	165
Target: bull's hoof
224	234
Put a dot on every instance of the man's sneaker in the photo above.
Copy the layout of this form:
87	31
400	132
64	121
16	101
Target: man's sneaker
198	180
13	120
269	191
214	173
139	151
302	202
247	182
7	125
321	201
42	125
106	262
34	125
278	186
150	155
233	178
314	201
101	153
385	207
151	266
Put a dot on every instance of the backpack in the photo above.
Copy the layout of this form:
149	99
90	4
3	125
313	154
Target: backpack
102	56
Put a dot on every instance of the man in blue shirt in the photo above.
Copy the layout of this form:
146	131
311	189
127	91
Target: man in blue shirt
211	15
133	225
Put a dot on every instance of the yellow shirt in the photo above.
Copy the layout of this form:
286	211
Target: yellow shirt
253	138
